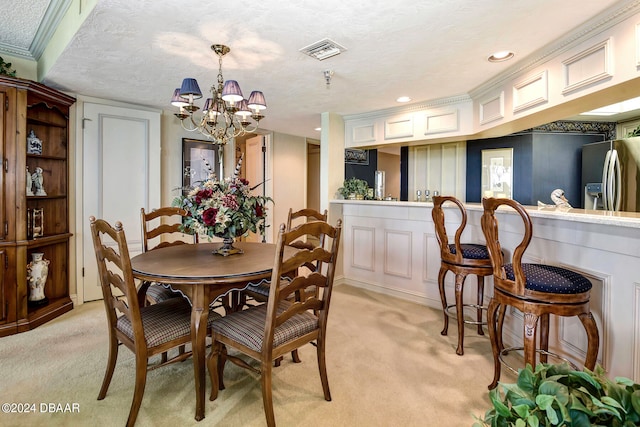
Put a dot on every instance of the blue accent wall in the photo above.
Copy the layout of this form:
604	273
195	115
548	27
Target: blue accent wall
542	162
522	165
366	172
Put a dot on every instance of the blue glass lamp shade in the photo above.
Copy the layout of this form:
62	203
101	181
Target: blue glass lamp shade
190	87
177	100
256	101
231	92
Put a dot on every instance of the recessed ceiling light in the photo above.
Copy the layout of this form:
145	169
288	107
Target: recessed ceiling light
318	129
503	55
403	99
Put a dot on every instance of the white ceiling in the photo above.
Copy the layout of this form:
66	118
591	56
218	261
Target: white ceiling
139	51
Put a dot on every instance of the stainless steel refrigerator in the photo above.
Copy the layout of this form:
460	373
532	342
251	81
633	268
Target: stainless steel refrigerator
610	175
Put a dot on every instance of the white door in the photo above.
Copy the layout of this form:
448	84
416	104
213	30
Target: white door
254	172
120	174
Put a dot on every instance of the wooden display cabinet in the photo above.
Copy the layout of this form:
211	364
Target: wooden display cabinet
30	106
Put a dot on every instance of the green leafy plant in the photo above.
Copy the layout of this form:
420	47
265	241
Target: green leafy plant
5	68
556	395
355	186
635	132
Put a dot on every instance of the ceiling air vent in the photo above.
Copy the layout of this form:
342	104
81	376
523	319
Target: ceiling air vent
323	49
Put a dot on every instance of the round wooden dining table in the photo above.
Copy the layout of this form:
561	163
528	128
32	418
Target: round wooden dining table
202	276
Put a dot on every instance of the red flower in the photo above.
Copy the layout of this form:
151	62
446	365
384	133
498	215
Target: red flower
209	216
244	181
259	210
203	194
230	201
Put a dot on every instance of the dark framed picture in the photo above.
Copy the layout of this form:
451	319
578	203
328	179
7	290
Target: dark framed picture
199	160
356	157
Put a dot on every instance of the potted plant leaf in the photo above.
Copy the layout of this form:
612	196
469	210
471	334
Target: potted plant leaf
556	395
354	188
5	68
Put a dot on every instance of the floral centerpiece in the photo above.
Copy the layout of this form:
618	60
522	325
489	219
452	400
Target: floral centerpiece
223	208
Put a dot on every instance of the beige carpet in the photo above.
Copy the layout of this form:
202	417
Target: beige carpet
388	365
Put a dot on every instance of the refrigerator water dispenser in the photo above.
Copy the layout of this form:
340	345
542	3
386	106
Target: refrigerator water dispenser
593	196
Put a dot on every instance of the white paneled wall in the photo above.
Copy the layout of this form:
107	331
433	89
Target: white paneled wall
391	248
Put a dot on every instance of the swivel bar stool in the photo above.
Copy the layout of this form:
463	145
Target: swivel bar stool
462	259
536	290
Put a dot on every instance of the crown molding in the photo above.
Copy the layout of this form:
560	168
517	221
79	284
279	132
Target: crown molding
50	21
591	28
437	103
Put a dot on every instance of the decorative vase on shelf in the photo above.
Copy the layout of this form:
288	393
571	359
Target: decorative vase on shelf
37	271
34	144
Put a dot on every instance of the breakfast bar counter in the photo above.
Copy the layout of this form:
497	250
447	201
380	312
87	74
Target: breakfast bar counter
390	247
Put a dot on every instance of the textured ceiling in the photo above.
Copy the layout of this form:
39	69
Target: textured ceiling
20	21
139	51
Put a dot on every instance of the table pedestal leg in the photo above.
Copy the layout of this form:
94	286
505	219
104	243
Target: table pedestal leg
199	316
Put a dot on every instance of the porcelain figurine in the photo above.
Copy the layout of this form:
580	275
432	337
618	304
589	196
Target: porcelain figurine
37	181
29	183
37	271
559	200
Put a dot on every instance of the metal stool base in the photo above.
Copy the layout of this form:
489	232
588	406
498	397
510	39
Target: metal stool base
454	315
505	351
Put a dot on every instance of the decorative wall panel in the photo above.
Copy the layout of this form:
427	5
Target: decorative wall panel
363	248
398	127
364	133
531	91
492	109
397	253
572	339
587	67
635	345
444	121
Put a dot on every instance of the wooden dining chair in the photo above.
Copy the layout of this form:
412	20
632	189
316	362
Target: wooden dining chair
462	259
260	292
284	323
536	290
145	330
158	231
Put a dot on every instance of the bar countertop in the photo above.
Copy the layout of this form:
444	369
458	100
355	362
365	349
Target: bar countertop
621	219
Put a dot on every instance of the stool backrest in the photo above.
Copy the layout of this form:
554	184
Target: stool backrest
489	224
438	215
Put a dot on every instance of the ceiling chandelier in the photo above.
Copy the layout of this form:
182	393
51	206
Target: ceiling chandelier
226	114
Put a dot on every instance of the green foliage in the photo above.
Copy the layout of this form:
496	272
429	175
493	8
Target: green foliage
5	68
556	395
635	132
355	186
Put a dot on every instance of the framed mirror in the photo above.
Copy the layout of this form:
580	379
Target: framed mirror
199	160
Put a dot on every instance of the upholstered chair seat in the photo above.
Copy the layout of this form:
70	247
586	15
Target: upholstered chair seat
550	279
164	321
471	251
248	328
